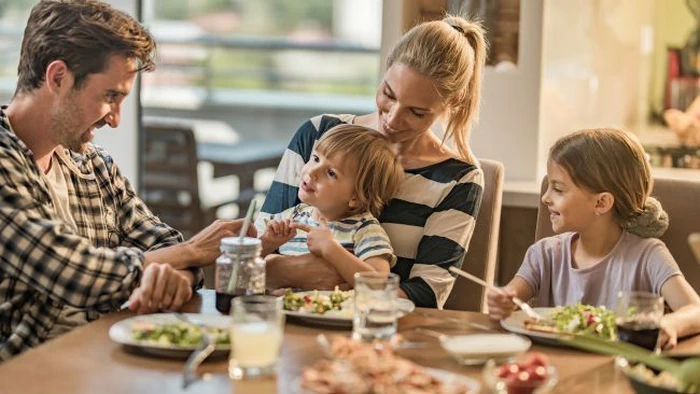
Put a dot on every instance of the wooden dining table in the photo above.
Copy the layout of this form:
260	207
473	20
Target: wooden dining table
87	361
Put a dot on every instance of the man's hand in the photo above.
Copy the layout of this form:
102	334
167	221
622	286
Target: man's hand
319	239
277	233
162	288
206	243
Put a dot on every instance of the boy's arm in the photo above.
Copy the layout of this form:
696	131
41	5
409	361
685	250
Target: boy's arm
347	264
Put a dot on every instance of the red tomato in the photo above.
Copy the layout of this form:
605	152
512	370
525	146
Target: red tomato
536	358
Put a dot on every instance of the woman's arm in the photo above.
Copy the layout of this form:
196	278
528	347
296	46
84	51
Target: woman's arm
305	271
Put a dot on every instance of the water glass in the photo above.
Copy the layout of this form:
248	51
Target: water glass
375	312
256	336
638	315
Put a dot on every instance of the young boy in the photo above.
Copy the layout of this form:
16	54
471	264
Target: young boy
351	175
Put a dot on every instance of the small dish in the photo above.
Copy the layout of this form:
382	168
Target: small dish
645	380
475	349
530	375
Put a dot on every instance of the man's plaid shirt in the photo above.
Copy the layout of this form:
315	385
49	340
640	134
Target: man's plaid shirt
46	263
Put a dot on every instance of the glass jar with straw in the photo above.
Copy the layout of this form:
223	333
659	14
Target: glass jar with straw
239	269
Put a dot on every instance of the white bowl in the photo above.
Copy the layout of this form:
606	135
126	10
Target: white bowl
476	349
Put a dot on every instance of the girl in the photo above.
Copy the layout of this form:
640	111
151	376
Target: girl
599	205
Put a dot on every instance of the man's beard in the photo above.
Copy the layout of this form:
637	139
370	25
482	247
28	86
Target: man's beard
66	124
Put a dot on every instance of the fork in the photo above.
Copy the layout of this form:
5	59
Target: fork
517	301
203	350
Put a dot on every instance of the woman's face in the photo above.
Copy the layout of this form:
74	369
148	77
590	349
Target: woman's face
408	103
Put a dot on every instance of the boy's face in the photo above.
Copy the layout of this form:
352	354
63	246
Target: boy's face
328	183
571	208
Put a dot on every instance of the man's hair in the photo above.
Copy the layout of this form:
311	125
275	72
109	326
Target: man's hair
82	33
378	172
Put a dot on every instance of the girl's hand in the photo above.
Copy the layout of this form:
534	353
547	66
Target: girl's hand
500	306
668	334
277	233
319	239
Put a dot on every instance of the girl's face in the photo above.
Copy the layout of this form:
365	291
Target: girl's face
571	208
407	103
328	183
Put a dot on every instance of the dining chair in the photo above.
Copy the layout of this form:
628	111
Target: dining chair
480	259
680	200
170	181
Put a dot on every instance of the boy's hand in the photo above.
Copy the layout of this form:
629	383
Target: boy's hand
319	239
277	233
500	306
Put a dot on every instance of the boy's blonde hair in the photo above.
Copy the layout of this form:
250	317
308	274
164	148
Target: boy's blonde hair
451	52
613	161
378	172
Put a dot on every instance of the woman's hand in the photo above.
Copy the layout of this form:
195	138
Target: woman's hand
500	305
277	233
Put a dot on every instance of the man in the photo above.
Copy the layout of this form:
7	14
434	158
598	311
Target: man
75	240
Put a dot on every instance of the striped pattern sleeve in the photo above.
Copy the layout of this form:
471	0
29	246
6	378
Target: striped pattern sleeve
370	240
430	223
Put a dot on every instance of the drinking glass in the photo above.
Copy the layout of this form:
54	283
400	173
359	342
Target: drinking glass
638	315
256	336
375	312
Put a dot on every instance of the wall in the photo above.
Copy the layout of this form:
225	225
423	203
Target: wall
122	142
673	23
508	130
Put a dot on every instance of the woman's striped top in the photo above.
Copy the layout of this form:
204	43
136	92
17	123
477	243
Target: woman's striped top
429	221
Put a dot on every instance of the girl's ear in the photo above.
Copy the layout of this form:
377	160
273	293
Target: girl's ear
352	203
604	203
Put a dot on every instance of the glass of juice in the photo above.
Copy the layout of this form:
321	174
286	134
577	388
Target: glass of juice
638	315
257	327
374	316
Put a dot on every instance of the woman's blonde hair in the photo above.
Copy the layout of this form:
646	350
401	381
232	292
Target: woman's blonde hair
378	172
613	161
452	53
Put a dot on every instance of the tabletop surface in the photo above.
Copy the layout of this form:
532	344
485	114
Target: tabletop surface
87	361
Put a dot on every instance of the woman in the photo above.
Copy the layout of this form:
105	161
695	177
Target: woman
433	79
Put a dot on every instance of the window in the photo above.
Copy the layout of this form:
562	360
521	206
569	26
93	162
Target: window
307	56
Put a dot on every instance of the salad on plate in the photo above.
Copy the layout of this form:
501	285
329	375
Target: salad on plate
177	334
577	319
316	302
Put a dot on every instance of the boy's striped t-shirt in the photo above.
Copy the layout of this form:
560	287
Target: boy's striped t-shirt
360	234
429	221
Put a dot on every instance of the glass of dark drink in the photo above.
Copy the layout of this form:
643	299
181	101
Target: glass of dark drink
638	315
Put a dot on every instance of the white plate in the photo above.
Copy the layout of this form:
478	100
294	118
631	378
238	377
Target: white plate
448	378
516	323
342	318
473	349
122	332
